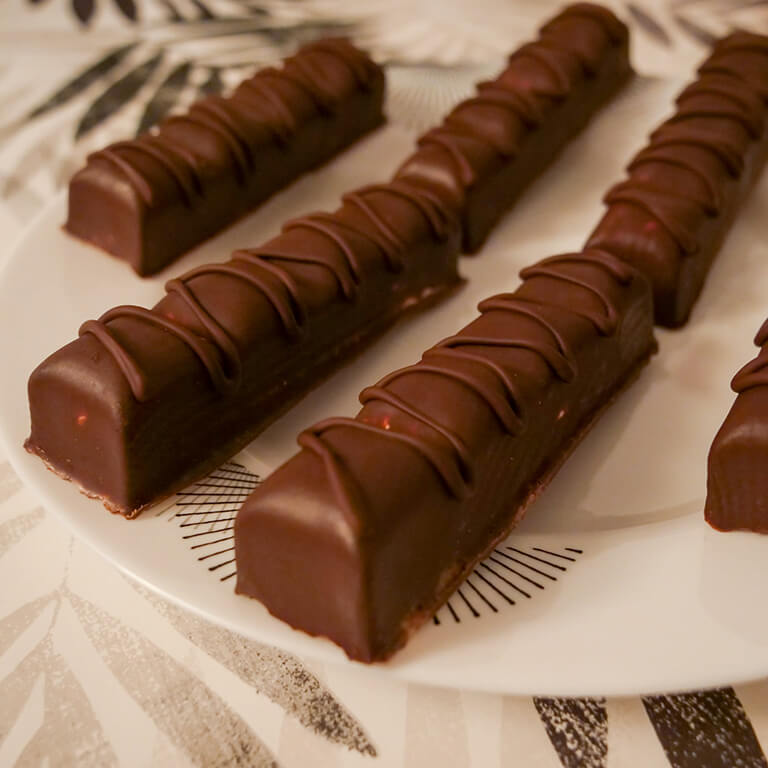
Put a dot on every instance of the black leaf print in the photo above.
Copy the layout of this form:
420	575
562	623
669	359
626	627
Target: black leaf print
128	9
204	12
82	80
213	83
117	95
83	10
578	730
649	25
171	10
698	34
708	728
278	675
165	98
192	716
70	733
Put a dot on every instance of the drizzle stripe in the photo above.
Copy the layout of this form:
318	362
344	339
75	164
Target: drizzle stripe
286	303
275	88
454	464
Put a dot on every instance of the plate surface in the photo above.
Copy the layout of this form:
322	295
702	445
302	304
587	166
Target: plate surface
613	585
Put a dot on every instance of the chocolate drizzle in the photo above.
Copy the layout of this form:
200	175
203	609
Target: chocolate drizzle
149	200
176	160
713	97
617	31
737	483
452	461
167	393
363	534
740	103
755	372
686	184
239	120
737	56
139	380
262	269
665	155
675	214
539	76
232	345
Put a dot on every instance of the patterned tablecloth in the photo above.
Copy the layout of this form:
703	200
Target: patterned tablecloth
95	670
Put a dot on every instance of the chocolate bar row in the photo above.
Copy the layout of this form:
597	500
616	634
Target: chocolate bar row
364	533
669	218
185	385
492	146
146	401
151	199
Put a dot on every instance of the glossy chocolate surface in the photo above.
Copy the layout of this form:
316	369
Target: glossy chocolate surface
492	146
671	215
364	533
146	401
737	481
151	199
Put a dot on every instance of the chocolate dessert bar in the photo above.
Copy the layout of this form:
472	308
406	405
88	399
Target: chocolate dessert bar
493	145
684	189
233	345
152	199
363	534
737	482
146	401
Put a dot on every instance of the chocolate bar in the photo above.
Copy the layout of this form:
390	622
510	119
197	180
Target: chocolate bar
493	145
363	534
150	200
670	217
737	481
146	401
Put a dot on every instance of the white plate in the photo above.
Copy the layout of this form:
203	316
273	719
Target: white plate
656	601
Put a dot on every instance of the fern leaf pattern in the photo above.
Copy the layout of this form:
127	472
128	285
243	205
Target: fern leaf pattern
166	97
118	95
15	529
280	676
15	689
70	733
83	80
194	718
13	625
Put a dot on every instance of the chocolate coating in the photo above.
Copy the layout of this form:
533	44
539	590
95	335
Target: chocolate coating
364	533
671	215
151	199
737	480
146	401
491	147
